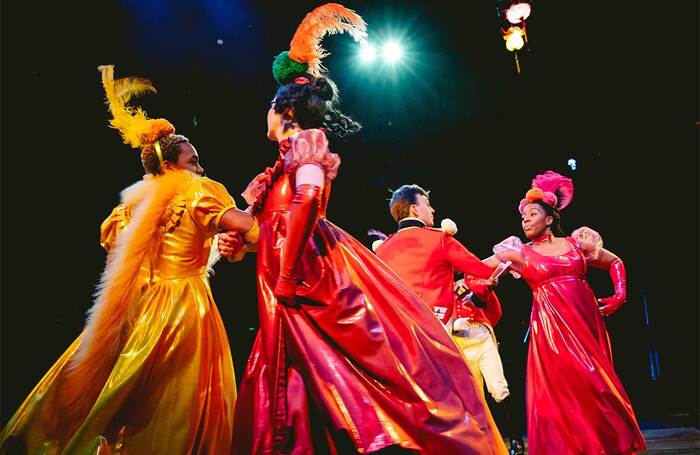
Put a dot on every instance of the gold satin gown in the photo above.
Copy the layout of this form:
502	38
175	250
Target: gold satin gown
172	388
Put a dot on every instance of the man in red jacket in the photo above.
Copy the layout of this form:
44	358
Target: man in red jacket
426	259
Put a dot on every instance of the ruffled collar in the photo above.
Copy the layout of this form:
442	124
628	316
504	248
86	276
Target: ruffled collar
258	187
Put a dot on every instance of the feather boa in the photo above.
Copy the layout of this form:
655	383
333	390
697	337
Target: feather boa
107	327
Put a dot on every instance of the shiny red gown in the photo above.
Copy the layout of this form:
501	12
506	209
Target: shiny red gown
575	401
361	365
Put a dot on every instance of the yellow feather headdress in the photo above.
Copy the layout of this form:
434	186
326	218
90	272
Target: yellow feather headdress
305	50
135	127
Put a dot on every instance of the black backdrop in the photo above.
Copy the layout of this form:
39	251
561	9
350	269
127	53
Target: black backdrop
612	84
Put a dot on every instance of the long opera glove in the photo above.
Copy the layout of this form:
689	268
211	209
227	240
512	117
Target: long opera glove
302	219
611	304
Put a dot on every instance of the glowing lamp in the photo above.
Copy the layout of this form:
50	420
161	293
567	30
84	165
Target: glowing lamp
514	38
518	12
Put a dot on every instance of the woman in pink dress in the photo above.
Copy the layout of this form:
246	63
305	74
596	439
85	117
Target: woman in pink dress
575	402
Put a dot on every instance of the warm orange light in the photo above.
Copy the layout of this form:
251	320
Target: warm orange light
514	38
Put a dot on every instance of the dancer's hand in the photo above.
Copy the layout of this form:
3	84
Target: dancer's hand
481	283
609	305
229	244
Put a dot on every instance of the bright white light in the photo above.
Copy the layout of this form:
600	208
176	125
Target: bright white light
392	52
514	39
518	13
367	53
572	164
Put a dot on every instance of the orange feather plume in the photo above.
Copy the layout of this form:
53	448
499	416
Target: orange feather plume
329	19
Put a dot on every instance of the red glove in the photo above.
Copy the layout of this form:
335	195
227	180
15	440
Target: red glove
302	219
609	305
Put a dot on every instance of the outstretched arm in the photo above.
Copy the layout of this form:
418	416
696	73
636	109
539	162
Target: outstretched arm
463	260
238	220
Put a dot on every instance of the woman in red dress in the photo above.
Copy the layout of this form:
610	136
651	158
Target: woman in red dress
347	358
575	402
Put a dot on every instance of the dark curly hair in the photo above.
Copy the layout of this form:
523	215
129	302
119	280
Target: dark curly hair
314	105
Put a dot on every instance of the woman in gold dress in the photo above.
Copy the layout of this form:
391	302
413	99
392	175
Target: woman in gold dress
151	372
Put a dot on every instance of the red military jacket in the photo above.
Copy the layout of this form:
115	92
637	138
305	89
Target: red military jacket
426	259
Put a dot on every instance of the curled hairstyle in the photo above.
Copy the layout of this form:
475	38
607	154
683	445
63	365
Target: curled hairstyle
554	213
314	106
403	198
169	147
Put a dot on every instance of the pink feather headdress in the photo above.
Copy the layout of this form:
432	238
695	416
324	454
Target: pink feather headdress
551	188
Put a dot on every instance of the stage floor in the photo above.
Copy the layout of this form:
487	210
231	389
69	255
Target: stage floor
681	441
676	441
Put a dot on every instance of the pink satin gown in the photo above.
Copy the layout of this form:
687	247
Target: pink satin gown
575	402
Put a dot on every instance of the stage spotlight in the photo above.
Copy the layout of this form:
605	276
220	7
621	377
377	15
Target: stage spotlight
367	53
572	164
392	52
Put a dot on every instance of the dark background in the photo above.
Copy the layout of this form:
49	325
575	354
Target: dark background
612	84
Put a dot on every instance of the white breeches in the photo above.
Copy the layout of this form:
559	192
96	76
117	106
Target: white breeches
478	344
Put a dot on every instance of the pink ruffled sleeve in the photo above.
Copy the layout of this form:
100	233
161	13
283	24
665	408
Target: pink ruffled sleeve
311	147
510	246
589	241
510	250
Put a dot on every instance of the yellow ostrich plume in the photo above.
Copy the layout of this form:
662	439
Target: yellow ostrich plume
135	127
329	19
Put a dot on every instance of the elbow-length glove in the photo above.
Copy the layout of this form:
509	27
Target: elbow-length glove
302	219
611	304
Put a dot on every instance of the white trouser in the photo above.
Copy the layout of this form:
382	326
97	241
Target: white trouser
478	343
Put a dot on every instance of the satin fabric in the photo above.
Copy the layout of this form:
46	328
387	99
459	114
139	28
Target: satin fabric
172	389
359	364
575	402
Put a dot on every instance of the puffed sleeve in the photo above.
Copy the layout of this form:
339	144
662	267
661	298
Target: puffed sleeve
509	249
208	200
311	147
589	241
113	225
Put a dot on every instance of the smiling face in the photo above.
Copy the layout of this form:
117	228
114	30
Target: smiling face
535	221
